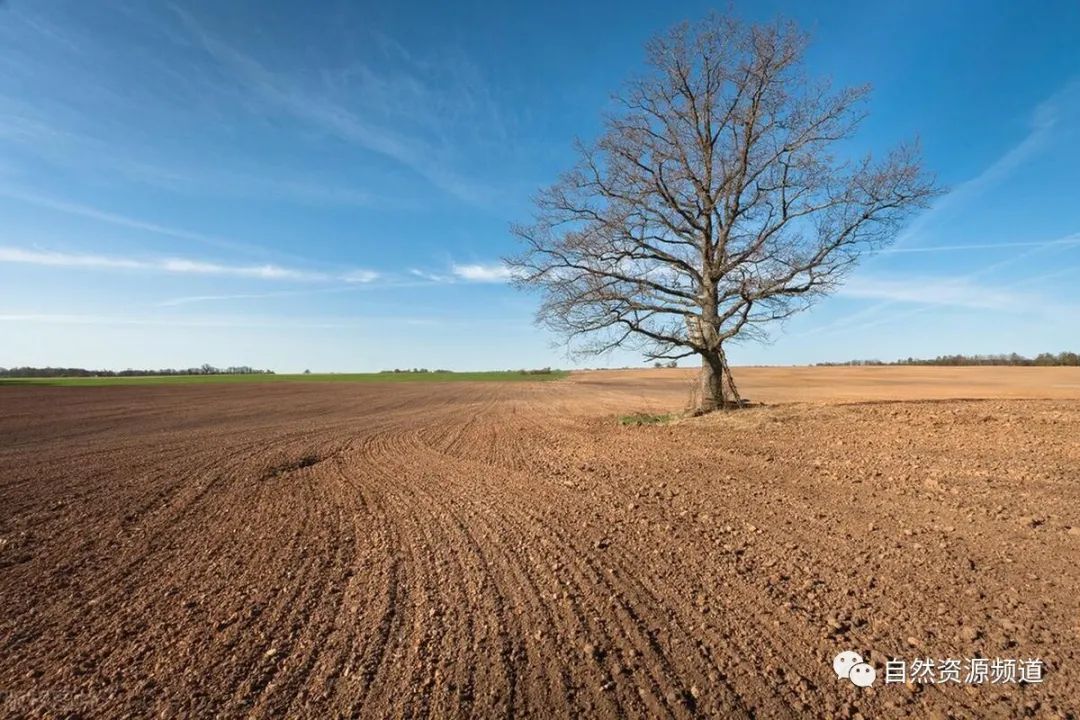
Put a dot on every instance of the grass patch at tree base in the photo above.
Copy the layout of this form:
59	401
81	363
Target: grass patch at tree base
636	419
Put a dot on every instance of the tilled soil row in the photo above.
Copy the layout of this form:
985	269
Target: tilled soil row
493	550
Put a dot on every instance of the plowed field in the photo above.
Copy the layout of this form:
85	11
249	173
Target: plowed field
510	550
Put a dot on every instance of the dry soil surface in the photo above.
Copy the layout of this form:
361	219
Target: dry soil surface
498	550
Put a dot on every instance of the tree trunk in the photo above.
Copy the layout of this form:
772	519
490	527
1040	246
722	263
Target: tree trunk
717	391
712	383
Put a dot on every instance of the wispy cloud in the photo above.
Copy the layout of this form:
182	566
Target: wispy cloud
480	272
74	128
921	290
191	299
1048	308
181	266
385	282
430	276
1000	297
360	276
25	128
165	265
412	100
1059	242
865	318
1044	120
274	323
125	221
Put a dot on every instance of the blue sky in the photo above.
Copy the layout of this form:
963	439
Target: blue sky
330	185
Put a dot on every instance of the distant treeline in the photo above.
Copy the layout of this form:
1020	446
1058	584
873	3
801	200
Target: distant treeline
37	372
1041	360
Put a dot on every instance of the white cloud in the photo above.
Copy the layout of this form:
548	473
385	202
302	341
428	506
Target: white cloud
35	257
1044	120
480	272
226	321
83	152
424	153
429	276
1068	240
166	265
360	276
955	292
123	220
181	266
218	298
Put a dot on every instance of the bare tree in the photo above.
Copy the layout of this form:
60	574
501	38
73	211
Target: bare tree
712	205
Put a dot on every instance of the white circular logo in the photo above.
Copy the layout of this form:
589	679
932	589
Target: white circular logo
863	675
843	662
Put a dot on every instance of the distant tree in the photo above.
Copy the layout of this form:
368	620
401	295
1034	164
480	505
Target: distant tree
713	204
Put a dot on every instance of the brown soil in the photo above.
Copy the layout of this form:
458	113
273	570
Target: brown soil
495	550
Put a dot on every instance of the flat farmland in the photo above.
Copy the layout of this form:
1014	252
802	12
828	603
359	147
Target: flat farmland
493	549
